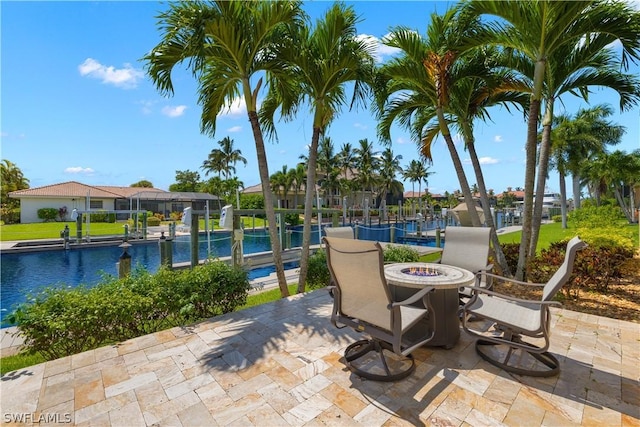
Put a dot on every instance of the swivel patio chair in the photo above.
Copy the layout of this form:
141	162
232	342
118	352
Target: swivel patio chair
363	301
468	248
515	318
341	232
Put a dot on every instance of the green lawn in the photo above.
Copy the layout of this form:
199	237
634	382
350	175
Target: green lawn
51	230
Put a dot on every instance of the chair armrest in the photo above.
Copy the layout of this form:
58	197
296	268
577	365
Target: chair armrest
506	279
485	269
482	290
413	298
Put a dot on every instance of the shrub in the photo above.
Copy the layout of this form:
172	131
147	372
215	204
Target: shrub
10	215
596	216
318	275
511	252
175	216
159	216
60	321
48	214
292	219
103	216
396	253
556	218
153	221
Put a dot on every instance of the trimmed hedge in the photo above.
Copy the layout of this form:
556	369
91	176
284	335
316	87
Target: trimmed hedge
61	321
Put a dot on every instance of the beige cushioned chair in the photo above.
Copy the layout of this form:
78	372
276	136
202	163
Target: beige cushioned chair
468	248
515	318
341	232
363	301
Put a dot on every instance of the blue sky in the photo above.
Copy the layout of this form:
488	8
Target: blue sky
76	104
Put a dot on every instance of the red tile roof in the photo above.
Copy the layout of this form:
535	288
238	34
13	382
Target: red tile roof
78	189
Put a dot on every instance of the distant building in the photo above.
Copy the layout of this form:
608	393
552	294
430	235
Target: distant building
76	195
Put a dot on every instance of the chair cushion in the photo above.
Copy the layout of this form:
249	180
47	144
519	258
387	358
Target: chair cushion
520	316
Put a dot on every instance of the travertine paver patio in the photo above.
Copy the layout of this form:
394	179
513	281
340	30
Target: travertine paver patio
279	364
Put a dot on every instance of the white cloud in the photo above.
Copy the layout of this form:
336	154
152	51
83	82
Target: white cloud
146	106
234	129
176	111
126	77
360	126
79	170
4	134
236	109
488	161
380	50
401	140
497	138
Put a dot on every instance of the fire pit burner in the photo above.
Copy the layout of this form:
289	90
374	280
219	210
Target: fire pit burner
421	271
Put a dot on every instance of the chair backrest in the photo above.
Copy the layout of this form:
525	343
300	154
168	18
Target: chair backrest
341	232
562	275
357	269
466	247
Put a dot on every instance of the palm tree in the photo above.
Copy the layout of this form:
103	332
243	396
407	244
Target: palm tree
538	30
416	172
281	183
578	140
347	162
298	176
316	67
12	180
419	83
230	156
225	44
389	166
366	164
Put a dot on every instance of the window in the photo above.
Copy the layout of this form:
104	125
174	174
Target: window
95	204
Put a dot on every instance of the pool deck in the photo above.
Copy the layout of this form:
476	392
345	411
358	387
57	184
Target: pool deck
280	364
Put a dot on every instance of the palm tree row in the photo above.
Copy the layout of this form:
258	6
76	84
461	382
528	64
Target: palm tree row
525	56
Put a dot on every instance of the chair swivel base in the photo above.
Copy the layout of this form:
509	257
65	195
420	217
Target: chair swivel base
361	348
546	358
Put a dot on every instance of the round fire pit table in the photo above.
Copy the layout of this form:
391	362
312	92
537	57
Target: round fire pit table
446	280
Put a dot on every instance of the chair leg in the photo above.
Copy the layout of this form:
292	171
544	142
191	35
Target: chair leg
361	348
545	358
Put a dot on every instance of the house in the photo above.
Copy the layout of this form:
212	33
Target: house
71	195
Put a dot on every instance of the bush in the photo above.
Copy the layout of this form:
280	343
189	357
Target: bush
511	252
556	218
292	219
175	216
153	221
596	216
10	215
594	269
103	216
318	275
396	253
48	214
61	321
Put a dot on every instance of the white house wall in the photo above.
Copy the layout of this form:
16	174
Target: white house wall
29	207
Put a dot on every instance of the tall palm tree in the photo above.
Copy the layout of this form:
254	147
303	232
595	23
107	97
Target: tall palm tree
299	176
230	156
389	166
214	163
538	30
416	171
367	163
226	44
317	64
347	162
419	82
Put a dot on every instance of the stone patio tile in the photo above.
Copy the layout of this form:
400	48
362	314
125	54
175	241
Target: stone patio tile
489	408
600	416
479	418
238	409
127	347
196	415
164	336
310	388
130	384
440	417
89	393
105	353
630	421
248	387
333	416
265	415
523	412
188	385
114	374
57	366
631	393
160	351
343	399
81	360
98	409
307	410
279	399
126	416
26	384
150	395
169	408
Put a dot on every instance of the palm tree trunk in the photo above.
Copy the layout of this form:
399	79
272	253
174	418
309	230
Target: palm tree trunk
308	209
457	164
563	198
501	260
543	167
575	182
529	179
263	168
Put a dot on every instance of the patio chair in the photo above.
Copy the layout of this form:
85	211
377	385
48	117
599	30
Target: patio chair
363	301
468	248
341	232
515	318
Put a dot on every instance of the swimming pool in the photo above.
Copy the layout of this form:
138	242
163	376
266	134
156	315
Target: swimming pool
25	273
